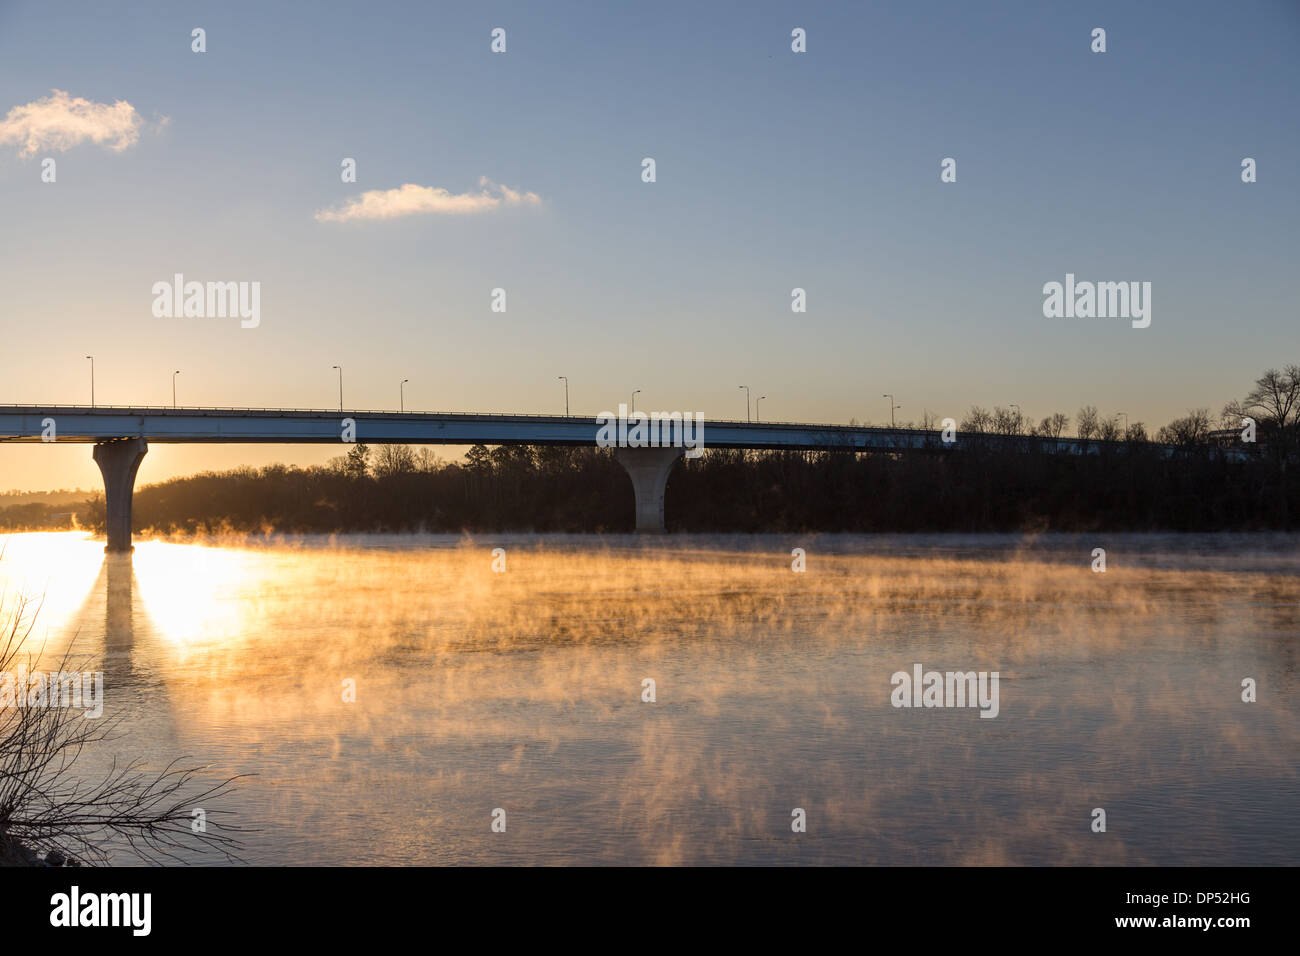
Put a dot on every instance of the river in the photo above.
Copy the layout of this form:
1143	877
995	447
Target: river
523	688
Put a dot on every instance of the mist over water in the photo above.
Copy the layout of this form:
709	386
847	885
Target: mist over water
522	690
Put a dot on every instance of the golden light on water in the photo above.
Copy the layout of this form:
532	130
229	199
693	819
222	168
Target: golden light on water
55	569
773	686
197	596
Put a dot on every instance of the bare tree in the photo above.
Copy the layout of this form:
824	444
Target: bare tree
1110	429
1274	403
1054	426
426	460
45	805
394	460
1005	421
1191	429
1277	395
977	421
1088	423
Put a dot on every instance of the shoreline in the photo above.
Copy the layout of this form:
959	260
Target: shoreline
15	853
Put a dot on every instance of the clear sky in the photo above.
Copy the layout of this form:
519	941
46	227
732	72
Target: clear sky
775	170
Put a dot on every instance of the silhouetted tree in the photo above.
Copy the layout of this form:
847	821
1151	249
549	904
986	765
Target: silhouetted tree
977	421
1192	429
358	461
1274	403
1054	426
1005	422
394	460
1087	422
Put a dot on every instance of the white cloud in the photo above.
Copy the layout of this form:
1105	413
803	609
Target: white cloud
59	122
410	200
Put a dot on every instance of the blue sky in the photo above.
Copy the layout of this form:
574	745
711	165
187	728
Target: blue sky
774	170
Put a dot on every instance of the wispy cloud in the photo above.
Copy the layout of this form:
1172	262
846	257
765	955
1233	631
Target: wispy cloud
410	200
60	121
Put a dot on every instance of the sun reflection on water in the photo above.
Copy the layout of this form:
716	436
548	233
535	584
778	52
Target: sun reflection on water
56	570
524	688
197	596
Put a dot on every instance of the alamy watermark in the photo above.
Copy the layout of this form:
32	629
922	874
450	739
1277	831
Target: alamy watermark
1101	300
211	300
651	430
75	908
951	689
72	689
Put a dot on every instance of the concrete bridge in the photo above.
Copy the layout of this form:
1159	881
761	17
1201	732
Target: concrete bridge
121	437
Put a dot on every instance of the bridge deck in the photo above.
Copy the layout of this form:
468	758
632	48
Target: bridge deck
30	423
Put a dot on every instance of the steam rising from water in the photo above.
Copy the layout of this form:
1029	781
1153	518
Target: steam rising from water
522	690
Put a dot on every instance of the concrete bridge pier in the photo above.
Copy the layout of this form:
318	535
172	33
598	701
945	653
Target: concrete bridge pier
649	469
119	459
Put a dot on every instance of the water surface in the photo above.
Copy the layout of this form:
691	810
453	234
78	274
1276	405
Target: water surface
522	690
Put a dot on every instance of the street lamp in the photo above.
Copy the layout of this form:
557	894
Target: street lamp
746	388
1125	414
92	380
756	401
340	368
634	395
401	395
566	394
892	406
174	374
1017	408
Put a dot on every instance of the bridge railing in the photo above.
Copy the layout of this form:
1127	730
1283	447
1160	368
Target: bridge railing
235	409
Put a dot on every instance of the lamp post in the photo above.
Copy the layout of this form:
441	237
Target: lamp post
746	388
401	395
634	395
340	368
1125	414
758	417
566	394
892	406
1017	408
92	380
174	374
